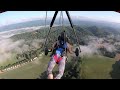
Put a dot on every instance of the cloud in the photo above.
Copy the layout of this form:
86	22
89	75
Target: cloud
36	43
8	48
88	50
94	44
109	47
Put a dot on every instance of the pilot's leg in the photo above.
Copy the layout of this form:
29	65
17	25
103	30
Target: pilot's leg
50	67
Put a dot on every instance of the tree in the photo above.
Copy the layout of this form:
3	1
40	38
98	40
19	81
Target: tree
72	70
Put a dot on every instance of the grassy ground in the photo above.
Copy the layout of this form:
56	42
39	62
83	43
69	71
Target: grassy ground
96	67
29	71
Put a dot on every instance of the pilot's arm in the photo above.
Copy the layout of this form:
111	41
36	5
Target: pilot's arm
70	48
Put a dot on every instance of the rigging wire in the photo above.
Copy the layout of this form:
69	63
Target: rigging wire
44	45
73	30
61	16
45	18
64	30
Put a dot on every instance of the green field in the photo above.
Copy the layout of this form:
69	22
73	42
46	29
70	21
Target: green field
94	67
30	70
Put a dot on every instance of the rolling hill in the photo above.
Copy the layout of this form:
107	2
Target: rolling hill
82	21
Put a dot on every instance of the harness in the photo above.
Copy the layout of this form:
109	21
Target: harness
59	51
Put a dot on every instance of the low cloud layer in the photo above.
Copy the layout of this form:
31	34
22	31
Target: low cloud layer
8	48
94	44
88	50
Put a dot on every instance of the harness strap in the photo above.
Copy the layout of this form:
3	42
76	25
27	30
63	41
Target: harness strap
57	58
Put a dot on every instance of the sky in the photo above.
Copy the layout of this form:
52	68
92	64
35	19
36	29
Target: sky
10	17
